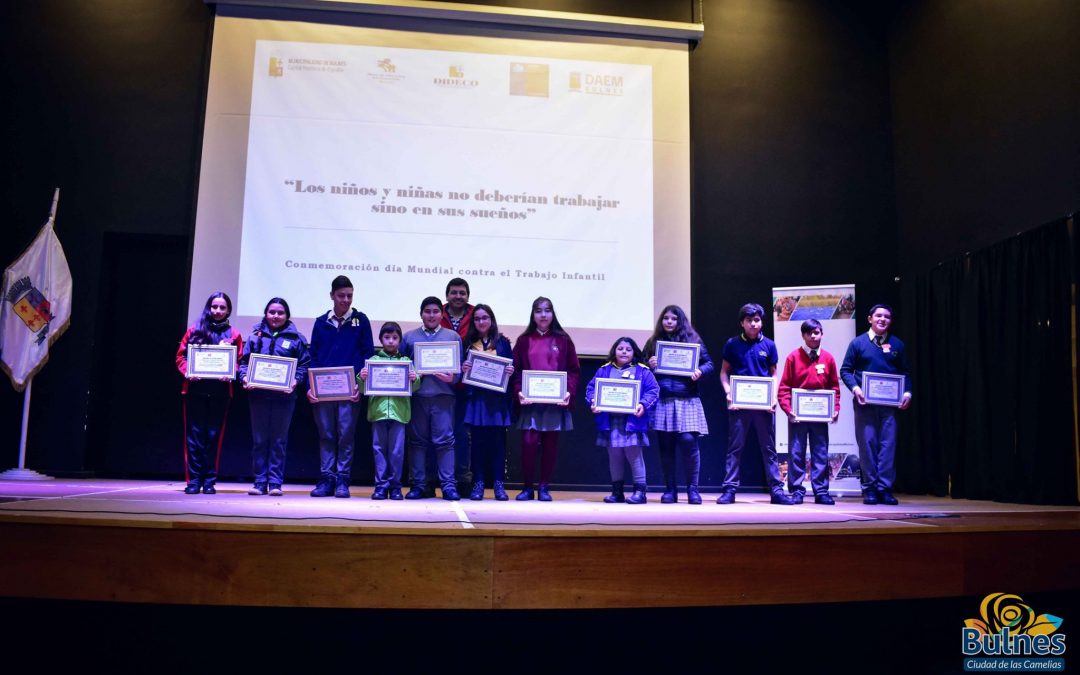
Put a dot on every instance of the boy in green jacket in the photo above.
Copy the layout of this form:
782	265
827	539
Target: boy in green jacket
388	416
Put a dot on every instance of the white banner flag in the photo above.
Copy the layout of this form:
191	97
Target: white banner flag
36	305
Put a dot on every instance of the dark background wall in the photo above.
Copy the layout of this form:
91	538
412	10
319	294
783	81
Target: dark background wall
832	142
986	105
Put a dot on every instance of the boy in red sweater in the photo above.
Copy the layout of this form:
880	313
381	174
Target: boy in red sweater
809	367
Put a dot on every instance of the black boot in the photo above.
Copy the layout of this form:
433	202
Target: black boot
542	493
671	494
639	495
692	495
325	486
477	493
342	488
616	495
500	491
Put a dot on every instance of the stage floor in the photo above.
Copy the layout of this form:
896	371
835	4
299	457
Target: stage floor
163	504
146	541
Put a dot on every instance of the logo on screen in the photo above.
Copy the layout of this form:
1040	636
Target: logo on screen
277	68
456	80
598	84
1007	633
386	72
529	79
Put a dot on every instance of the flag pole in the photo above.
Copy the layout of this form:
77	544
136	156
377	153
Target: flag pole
21	472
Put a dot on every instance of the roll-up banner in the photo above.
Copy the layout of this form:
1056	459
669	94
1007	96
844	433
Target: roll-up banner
834	307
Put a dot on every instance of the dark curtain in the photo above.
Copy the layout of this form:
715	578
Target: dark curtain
993	353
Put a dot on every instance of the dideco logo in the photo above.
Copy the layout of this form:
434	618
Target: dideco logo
277	68
596	83
456	79
529	79
1008	633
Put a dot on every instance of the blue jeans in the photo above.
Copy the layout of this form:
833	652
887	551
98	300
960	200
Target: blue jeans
388	447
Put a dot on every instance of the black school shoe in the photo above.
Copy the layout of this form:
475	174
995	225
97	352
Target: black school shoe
192	489
886	497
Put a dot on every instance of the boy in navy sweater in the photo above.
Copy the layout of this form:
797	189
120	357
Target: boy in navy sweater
876	351
750	353
341	337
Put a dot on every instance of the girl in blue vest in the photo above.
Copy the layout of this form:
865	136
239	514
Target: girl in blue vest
271	411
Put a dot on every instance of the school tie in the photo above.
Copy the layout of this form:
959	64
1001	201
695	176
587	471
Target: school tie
813	355
878	340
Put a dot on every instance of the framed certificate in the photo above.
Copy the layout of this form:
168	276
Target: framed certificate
437	357
883	388
487	371
677	358
751	393
211	361
271	372
617	396
543	386
813	405
332	384
388	378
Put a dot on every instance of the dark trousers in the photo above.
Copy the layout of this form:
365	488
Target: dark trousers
271	416
875	434
432	428
547	444
687	444
336	424
814	435
463	465
205	415
388	448
740	422
488	448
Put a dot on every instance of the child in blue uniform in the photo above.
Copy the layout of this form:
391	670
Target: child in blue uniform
876	351
750	353
624	436
487	412
271	411
679	418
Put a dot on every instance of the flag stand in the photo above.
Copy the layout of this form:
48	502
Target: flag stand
22	473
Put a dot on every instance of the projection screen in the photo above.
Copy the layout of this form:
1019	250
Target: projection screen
530	164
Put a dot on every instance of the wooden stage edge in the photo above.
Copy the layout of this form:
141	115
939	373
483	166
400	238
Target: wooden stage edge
146	542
